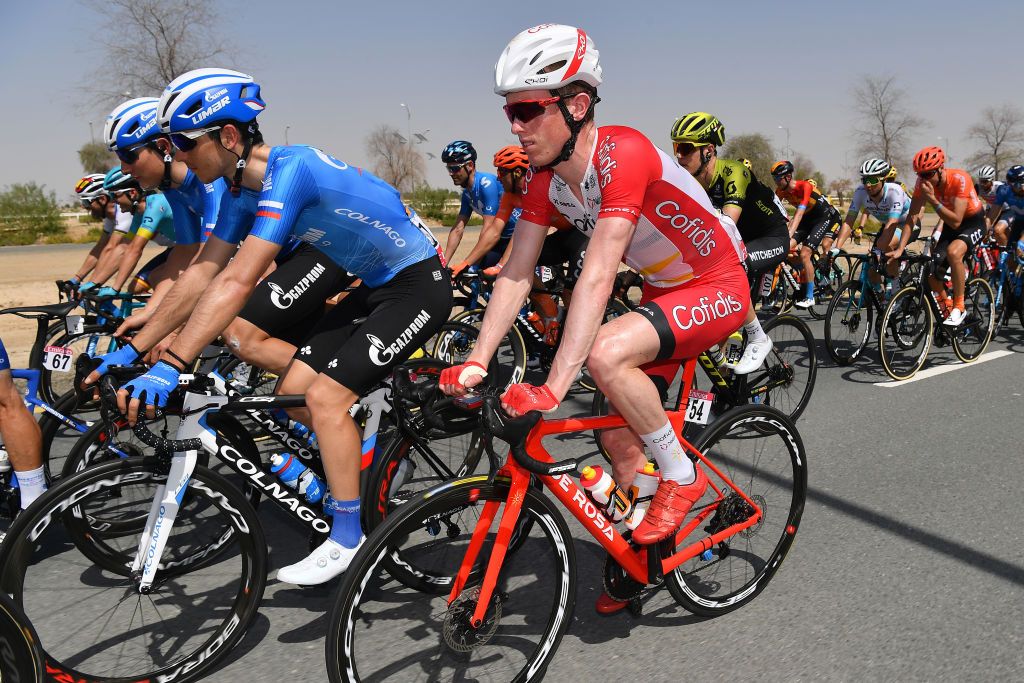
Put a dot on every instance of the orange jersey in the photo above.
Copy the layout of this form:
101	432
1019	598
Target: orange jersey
802	194
955	183
510	202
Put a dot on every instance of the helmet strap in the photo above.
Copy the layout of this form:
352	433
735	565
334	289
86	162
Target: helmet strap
574	129
236	179
705	158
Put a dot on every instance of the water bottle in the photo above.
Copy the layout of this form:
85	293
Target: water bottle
534	319
295	475
5	461
734	347
603	489
299	430
641	493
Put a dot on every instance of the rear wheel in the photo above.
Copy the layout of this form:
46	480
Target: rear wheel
510	358
971	338
905	333
786	379
848	323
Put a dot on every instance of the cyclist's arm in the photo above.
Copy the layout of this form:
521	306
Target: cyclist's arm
107	239
455	236
489	236
952	216
610	238
167	273
108	262
733	212
226	296
129	259
800	209
914	214
845	231
510	290
159	321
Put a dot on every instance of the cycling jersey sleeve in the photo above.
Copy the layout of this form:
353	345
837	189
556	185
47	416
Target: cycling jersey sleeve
212	193
122	220
622	193
535	202
490	194
186	221
508	203
857	203
1003	196
294	188
736	177
466	208
803	189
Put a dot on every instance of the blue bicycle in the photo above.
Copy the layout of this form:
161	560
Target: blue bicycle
1007	281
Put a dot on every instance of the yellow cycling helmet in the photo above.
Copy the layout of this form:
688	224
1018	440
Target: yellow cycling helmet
746	162
891	175
699	128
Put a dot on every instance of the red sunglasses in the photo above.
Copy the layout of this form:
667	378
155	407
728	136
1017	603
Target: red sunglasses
528	110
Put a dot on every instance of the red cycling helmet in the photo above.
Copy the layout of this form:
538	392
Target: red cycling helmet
511	158
929	159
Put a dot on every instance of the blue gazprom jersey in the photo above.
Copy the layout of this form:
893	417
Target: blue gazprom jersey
187	204
356	219
1010	201
484	198
211	204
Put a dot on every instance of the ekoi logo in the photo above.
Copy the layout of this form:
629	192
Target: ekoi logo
725	305
282	299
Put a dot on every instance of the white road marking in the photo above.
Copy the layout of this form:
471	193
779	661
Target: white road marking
942	369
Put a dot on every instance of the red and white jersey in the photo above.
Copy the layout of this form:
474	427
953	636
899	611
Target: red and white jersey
679	234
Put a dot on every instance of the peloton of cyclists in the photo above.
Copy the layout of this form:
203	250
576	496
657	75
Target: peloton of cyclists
101	206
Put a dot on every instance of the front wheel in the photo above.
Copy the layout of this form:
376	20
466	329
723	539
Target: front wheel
380	629
20	656
905	333
972	337
761	452
786	379
848	323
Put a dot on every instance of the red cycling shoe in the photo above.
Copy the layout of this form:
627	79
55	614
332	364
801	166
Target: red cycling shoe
668	508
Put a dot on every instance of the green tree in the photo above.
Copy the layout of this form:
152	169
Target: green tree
27	213
429	202
96	158
756	148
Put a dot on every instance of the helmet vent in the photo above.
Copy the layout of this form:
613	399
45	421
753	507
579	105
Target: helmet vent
553	67
194	108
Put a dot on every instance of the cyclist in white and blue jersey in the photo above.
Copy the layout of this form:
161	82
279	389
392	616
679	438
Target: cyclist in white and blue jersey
887	202
355	219
1006	211
481	192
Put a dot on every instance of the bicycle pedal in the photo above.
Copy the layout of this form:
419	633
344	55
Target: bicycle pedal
636	607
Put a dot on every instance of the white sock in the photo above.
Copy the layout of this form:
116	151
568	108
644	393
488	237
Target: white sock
755	333
32	484
669	454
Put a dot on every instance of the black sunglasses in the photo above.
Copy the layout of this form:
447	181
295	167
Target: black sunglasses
186	141
455	168
927	174
131	154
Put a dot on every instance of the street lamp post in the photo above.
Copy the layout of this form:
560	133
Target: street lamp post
408	118
949	154
92	138
789	150
286	135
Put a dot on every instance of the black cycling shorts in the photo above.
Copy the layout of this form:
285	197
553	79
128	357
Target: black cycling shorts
567	246
289	302
814	228
374	329
767	250
971	231
152	264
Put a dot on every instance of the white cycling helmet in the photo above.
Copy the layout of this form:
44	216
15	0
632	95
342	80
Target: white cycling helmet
875	167
547	57
987	172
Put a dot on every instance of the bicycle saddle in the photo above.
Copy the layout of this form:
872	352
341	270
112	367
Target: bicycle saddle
50	312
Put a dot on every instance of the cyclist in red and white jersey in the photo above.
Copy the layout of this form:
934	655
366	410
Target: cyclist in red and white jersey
639	207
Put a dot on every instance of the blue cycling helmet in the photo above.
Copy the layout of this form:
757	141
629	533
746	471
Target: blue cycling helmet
117	180
458	152
203	98
131	123
1015	175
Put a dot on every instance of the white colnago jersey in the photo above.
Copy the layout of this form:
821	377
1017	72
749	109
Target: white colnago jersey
892	204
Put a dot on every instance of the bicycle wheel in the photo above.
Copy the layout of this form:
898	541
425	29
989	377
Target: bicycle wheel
905	333
510	357
972	337
781	298
180	629
826	284
849	265
786	379
379	629
96	339
760	450
20	656
848	323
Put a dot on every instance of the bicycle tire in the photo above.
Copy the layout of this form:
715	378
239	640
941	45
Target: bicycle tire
54	385
824	289
907	321
972	337
792	355
350	622
849	311
34	540
701	586
21	660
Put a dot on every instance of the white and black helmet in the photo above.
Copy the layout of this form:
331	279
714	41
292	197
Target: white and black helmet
546	57
875	167
987	172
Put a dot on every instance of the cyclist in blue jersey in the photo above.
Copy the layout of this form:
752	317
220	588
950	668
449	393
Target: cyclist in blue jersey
1006	212
101	206
355	219
21	436
481	192
264	336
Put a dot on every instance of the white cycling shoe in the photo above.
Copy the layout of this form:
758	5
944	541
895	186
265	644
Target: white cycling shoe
753	357
805	303
329	560
956	318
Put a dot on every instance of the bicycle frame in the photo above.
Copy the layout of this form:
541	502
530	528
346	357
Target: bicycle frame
644	564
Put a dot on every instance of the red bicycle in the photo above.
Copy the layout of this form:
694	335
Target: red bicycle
493	603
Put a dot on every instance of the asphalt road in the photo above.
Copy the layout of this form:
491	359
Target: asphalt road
908	564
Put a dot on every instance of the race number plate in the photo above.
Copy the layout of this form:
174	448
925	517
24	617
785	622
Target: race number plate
57	358
74	324
698	408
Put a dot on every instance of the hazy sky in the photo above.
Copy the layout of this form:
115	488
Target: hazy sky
331	71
